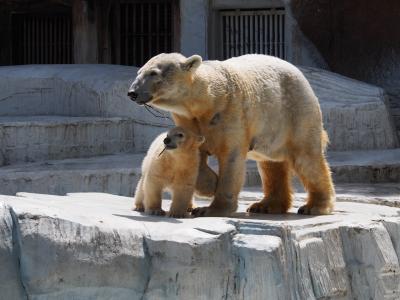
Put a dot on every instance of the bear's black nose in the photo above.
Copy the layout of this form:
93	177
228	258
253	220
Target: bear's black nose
167	140
132	95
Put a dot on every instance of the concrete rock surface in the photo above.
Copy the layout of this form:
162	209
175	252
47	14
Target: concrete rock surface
92	246
355	113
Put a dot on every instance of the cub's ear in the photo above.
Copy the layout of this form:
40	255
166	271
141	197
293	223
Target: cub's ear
191	63
200	140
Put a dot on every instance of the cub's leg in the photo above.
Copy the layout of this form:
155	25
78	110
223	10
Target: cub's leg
275	178
181	202
232	165
153	198
315	174
207	179
139	196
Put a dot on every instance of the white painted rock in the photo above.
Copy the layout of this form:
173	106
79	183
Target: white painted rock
92	246
355	113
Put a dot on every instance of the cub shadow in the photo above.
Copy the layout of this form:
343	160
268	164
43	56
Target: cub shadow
147	218
290	216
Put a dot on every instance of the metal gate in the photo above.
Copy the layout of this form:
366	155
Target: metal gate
42	39
146	30
253	31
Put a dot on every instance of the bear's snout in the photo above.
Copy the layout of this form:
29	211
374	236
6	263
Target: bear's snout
167	140
133	95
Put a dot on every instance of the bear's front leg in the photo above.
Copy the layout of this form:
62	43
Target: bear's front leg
181	202
232	165
207	179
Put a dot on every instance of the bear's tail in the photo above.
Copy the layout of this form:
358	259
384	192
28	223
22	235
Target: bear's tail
324	140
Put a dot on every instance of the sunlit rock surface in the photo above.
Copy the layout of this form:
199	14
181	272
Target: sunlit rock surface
92	246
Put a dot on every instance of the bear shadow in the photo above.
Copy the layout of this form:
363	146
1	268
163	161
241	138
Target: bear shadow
147	218
290	216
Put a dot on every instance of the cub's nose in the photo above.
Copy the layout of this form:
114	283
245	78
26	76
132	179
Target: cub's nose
167	140
132	95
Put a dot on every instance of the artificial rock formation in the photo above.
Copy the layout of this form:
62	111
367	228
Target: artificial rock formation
92	246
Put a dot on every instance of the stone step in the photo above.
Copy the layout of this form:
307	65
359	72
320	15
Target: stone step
367	166
39	138
118	174
356	114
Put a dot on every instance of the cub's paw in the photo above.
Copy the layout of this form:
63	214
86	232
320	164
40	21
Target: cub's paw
209	212
314	210
155	212
264	207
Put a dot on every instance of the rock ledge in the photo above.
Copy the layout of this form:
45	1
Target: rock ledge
91	246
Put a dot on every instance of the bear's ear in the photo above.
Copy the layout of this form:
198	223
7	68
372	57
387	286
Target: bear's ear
191	63
200	139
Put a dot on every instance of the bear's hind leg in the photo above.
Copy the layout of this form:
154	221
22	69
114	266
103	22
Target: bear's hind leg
275	178
316	177
207	179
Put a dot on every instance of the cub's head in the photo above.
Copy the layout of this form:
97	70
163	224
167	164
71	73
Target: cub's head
164	79
179	138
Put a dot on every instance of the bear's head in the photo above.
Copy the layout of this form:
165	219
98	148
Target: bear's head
180	138
164	80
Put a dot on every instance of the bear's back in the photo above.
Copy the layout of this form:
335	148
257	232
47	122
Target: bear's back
256	63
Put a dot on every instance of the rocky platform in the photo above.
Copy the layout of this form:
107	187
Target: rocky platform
92	246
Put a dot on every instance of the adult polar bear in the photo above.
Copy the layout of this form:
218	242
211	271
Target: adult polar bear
253	106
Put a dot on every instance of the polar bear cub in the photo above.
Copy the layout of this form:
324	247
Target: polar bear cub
172	164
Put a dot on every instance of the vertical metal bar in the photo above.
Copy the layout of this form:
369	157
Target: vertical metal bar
37	46
55	35
166	27
49	41
24	38
69	42
228	37
237	36
59	21
131	35
256	33
276	34
158	29
252	31
240	33
64	38
282	41
269	28
28	39
126	37
46	39
39	40
142	54
150	20
283	37
245	35
42	39
222	30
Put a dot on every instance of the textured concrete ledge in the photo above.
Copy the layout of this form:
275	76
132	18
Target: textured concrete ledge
39	138
118	174
91	246
356	114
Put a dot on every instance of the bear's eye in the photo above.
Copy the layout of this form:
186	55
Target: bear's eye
180	135
153	73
